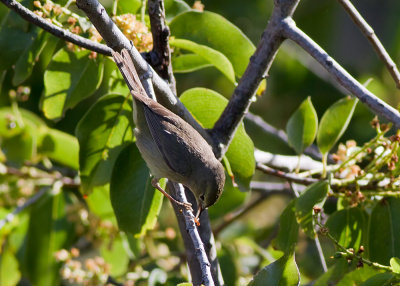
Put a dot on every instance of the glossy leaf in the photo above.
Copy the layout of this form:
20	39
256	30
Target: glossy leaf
206	106
395	264
60	147
48	232
302	126
214	57
128	6
174	8
214	31
282	272
348	227
357	276
27	60
9	270
135	202
334	123
314	195
102	133
384	229
69	78
288	229
188	63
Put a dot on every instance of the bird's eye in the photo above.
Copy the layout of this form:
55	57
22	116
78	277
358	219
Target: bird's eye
202	197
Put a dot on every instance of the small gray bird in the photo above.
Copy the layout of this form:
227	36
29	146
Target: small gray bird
170	146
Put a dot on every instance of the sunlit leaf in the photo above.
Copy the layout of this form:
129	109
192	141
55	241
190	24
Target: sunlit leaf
69	78
206	106
357	276
9	268
302	126
378	280
334	123
174	8
395	264
188	63
212	30
102	133
348	227
214	57
282	272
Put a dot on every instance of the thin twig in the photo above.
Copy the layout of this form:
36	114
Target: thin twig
377	105
373	39
290	177
285	161
10	217
55	30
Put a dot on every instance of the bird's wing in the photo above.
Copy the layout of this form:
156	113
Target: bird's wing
168	138
160	121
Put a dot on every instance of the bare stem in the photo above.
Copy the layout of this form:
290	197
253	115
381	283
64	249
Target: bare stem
373	39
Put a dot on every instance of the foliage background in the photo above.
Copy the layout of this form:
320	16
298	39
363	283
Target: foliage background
289	84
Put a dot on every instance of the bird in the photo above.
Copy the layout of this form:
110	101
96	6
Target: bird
170	146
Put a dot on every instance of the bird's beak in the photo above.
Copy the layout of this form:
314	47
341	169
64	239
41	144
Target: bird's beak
199	211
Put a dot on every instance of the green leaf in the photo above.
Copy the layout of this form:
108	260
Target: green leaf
99	203
113	251
356	277
102	133
379	280
59	146
314	195
49	231
188	63
214	31
128	6
174	8
29	57
348	227
395	264
206	106
9	270
185	284
135	202
288	229
334	122
228	262
302	126
14	37
282	272
218	59
384	229
69	78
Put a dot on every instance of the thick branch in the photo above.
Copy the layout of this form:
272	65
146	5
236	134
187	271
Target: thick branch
377	105
54	30
195	250
257	69
117	41
373	39
161	60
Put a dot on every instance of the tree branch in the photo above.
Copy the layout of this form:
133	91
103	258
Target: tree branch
377	105
287	176
373	39
195	250
161	60
54	30
116	40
